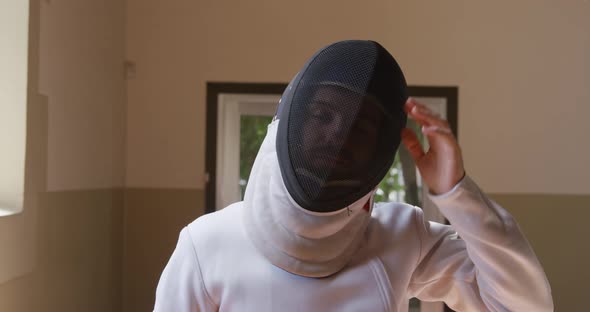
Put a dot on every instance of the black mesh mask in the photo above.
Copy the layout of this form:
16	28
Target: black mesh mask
340	123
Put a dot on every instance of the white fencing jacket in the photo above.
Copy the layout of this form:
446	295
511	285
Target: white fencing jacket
268	254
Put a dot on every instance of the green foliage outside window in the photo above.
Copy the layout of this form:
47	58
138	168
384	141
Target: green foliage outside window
401	182
252	132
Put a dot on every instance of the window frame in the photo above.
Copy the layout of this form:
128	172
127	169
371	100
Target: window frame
214	89
231	107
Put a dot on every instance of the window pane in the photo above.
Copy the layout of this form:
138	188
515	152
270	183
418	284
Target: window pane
402	183
14	22
252	132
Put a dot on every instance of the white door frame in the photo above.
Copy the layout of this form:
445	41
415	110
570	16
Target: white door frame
231	106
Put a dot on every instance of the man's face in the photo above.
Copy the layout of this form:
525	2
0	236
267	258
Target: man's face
338	138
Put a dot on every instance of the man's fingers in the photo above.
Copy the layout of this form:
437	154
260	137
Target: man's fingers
436	129
411	141
413	104
410	103
422	114
426	118
437	136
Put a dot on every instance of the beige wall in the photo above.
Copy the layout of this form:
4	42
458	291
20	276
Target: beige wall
78	256
154	218
81	56
556	226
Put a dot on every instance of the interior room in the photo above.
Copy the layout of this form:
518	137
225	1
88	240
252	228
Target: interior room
110	100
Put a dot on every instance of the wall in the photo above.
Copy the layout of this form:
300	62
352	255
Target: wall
78	257
81	71
556	228
73	214
154	218
521	68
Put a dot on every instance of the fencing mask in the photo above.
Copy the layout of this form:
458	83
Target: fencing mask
341	118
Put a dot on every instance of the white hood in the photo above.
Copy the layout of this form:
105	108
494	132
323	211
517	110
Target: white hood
297	240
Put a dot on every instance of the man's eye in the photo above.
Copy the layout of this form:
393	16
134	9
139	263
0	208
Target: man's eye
316	113
319	114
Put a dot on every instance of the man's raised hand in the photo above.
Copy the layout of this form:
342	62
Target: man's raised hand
441	166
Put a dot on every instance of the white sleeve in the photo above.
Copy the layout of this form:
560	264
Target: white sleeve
489	266
181	287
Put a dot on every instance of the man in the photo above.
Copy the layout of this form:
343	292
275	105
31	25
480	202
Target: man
308	237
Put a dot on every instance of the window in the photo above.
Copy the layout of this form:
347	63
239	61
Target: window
236	149
14	22
17	225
